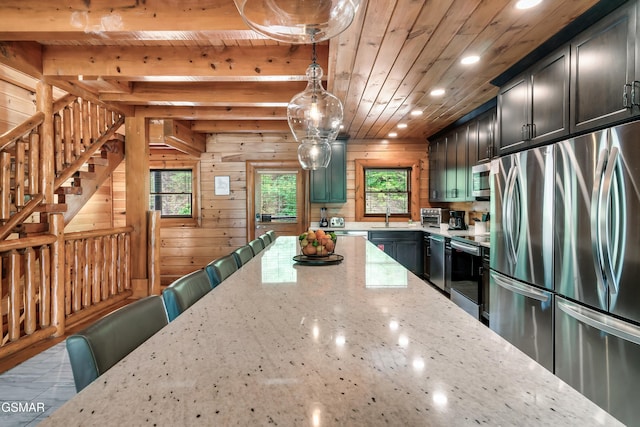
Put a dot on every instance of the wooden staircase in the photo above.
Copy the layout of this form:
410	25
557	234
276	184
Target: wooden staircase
86	151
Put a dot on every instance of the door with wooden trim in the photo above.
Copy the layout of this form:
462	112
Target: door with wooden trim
277	198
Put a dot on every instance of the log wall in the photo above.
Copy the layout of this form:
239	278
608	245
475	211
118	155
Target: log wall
223	218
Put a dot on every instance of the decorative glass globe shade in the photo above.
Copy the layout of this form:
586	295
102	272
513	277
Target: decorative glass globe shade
314	112
314	153
298	21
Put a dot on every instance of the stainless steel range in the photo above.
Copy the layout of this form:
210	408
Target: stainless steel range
464	273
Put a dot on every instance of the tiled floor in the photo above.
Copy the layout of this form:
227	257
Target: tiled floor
35	388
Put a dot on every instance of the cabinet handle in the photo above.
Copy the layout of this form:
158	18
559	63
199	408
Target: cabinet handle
625	96
533	131
522	132
634	84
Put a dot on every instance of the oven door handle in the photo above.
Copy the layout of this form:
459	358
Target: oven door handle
473	250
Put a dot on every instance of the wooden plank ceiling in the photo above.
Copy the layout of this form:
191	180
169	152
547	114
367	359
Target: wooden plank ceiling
196	61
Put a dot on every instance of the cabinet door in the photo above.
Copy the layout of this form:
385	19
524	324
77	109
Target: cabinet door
459	192
450	166
409	254
486	134
550	97
602	71
338	172
330	185
437	178
513	115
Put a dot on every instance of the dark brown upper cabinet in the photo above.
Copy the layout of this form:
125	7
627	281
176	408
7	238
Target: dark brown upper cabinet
604	72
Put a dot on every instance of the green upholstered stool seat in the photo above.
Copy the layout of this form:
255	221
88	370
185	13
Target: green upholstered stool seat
243	255
257	245
185	291
221	268
97	348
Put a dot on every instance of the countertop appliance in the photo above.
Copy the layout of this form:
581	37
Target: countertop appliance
323	217
432	217
596	253
521	279
480	181
336	222
456	220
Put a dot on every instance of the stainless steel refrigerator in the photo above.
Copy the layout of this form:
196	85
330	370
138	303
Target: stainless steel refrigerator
597	267
521	279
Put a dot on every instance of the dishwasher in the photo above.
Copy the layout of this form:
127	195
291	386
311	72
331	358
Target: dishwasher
437	261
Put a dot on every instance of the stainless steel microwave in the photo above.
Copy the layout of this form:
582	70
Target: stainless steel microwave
480	179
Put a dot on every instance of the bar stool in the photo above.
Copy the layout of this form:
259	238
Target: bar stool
256	245
96	349
243	255
185	291
220	269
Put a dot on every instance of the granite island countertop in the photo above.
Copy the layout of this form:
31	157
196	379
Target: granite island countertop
359	343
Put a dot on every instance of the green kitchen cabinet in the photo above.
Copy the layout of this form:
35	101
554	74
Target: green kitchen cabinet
403	246
330	185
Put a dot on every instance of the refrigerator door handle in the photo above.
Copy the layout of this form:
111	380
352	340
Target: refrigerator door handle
521	289
596	240
601	322
604	212
508	214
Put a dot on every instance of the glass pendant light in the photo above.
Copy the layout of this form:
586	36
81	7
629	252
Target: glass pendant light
314	112
314	153
298	21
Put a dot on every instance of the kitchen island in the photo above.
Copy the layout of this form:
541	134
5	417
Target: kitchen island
362	342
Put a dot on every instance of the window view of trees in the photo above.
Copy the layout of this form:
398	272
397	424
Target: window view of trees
387	188
172	193
278	195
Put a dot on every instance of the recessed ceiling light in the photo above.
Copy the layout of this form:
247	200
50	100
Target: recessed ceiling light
393	134
437	92
341	126
416	113
402	125
472	59
527	4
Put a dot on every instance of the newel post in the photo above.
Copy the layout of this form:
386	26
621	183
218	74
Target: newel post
56	227
44	100
154	252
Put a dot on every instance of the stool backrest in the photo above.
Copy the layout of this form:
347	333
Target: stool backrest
221	268
257	245
243	255
185	291
97	348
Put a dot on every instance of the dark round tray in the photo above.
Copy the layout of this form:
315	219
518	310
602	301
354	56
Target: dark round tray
317	260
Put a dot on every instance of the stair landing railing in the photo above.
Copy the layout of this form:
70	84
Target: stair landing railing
49	279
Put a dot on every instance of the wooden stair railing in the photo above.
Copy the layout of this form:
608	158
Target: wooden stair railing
81	130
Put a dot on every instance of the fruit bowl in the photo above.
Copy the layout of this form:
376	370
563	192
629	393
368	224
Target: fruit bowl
317	244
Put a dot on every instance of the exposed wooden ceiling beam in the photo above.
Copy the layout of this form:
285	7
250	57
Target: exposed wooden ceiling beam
105	17
178	135
22	56
224	126
213	113
265	94
266	63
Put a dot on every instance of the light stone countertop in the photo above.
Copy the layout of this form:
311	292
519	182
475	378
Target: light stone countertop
359	343
403	226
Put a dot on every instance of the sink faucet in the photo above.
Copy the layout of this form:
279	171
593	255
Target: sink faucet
386	217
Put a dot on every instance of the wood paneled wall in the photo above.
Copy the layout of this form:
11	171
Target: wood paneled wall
376	149
223	218
16	105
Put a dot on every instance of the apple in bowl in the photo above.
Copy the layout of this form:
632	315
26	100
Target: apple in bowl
317	243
